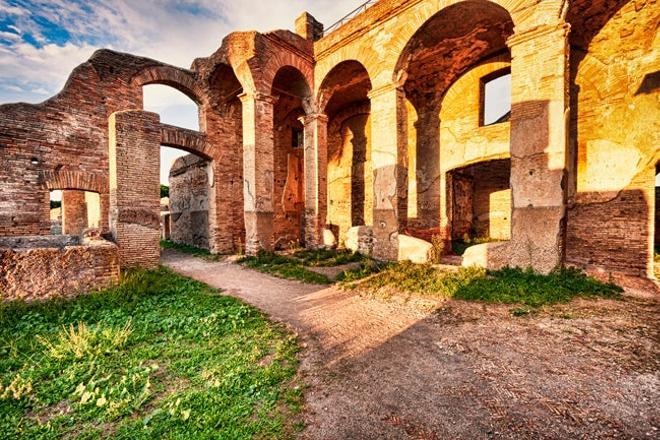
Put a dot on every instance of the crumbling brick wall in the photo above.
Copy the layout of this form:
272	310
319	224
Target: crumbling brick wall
189	201
614	130
40	268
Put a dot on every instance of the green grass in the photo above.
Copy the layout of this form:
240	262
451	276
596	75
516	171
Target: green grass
327	257
283	267
187	249
158	357
506	286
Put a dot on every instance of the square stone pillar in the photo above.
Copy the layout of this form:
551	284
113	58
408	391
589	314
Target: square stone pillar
316	178
539	146
74	212
135	187
389	159
258	171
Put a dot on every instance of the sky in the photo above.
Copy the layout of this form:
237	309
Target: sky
42	41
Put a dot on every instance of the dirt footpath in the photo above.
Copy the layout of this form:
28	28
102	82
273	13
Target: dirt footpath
378	369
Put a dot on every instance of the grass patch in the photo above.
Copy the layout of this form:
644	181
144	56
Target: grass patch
327	257
159	356
283	267
187	249
506	286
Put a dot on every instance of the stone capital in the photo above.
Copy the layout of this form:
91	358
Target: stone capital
313	117
257	96
543	31
384	89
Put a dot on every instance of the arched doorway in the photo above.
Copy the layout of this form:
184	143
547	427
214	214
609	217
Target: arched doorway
344	98
458	98
290	91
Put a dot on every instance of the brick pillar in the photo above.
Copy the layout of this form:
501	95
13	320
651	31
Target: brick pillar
74	212
389	158
258	171
135	187
105	208
316	178
539	146
428	167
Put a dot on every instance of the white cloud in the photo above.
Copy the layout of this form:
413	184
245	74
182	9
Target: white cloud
7	9
171	31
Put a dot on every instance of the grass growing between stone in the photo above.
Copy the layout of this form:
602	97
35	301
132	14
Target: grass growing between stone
283	267
506	286
187	249
159	356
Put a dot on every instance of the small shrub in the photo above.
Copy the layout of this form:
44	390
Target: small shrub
81	341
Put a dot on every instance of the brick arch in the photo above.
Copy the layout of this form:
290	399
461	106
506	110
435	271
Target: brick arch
75	180
332	83
190	141
298	80
282	59
179	79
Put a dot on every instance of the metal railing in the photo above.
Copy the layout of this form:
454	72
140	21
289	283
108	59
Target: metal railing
357	11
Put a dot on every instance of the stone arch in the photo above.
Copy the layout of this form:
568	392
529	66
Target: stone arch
291	81
447	45
179	79
283	61
349	78
291	97
187	140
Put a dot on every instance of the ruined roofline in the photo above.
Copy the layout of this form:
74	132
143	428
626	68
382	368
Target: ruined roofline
377	12
104	61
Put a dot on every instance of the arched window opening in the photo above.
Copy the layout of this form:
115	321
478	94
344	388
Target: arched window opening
174	107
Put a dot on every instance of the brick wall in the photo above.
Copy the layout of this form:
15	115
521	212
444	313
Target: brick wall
614	130
189	201
39	268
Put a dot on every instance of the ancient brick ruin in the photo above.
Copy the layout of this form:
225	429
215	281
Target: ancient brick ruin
377	124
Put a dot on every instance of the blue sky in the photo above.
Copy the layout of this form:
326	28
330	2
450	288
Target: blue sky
41	41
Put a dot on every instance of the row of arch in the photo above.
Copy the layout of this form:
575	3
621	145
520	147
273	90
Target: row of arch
434	56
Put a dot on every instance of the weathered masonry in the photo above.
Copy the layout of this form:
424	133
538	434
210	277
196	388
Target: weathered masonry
382	123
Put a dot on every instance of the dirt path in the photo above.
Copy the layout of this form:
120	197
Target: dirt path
466	371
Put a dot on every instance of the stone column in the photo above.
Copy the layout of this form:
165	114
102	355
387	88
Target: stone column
135	187
74	212
316	178
389	158
539	146
258	171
